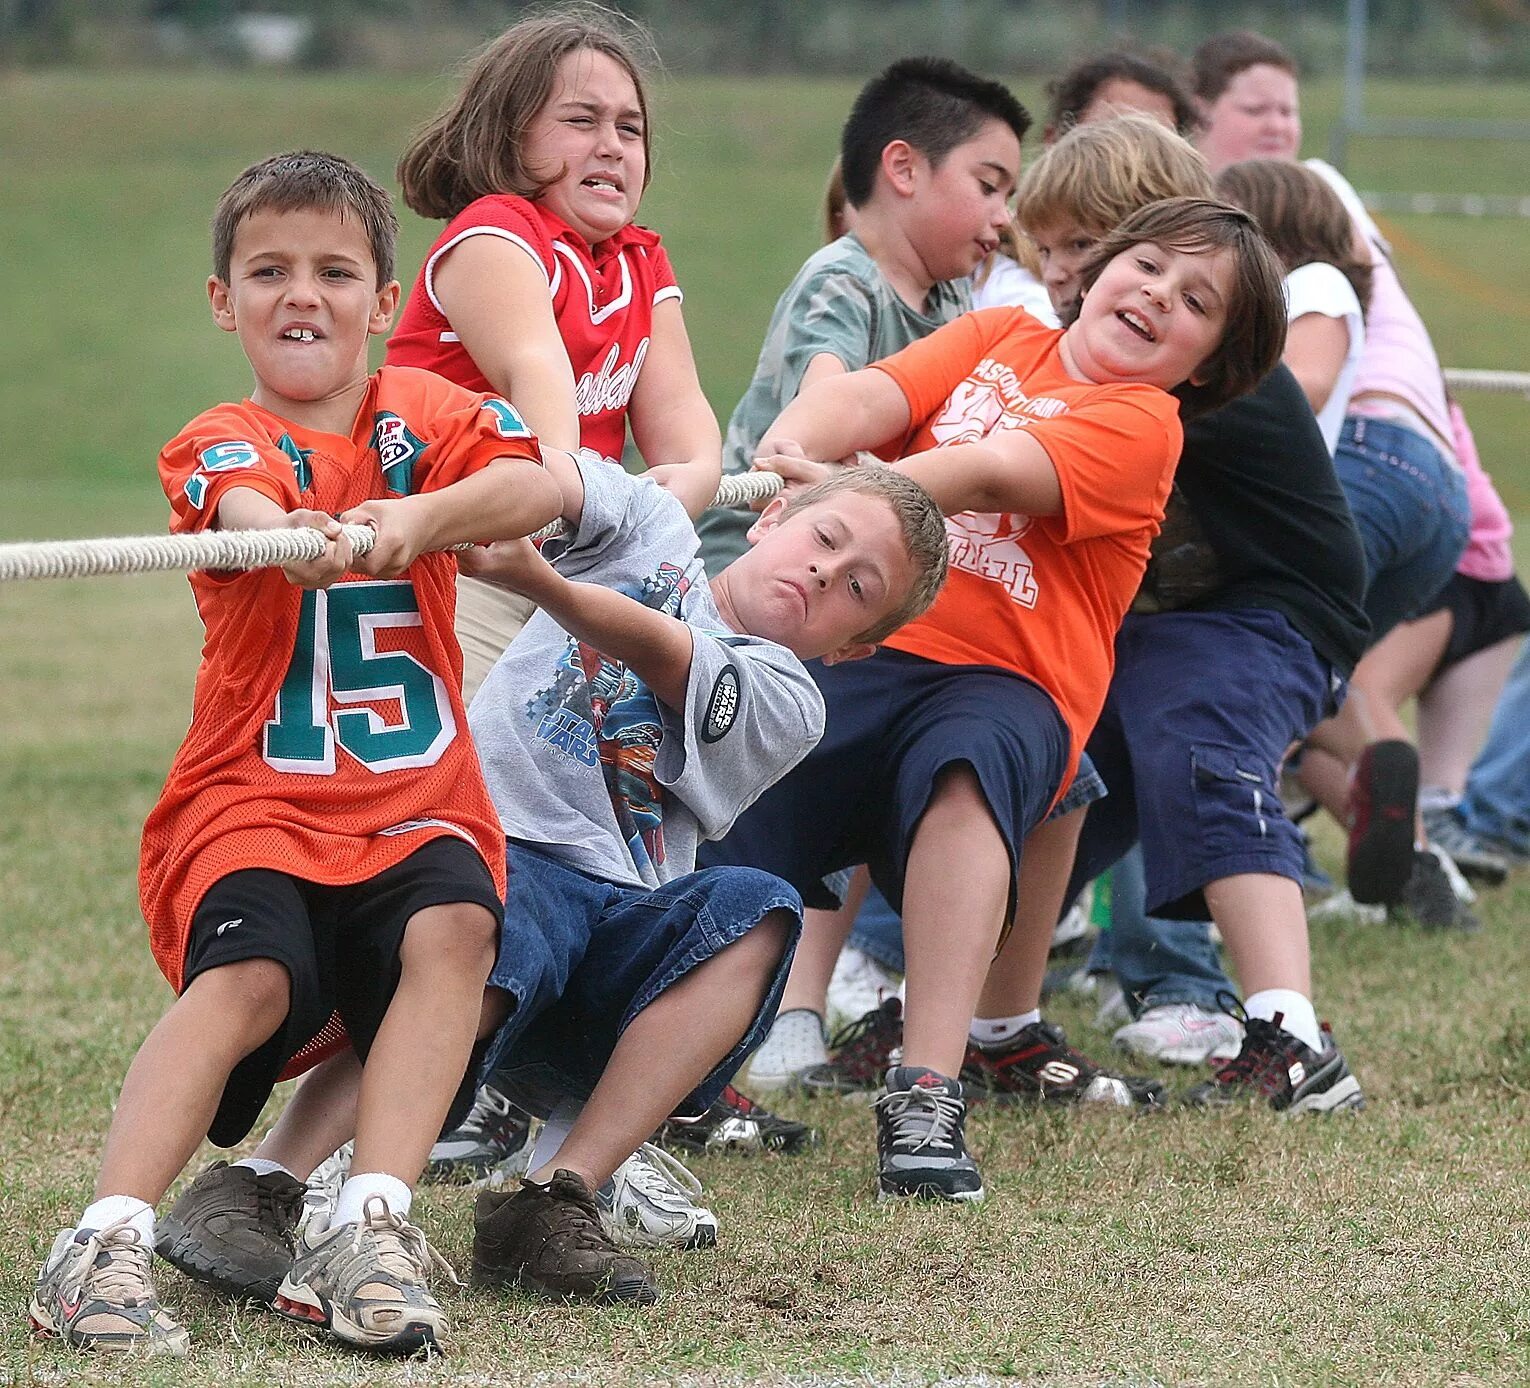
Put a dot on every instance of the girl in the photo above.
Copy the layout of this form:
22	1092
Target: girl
1328	286
540	288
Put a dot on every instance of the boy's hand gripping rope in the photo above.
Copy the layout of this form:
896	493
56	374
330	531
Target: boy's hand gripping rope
246	549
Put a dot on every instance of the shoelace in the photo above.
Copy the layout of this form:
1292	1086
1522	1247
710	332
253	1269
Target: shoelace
1265	1059
662	1178
579	1216
123	1278
402	1248
921	1118
489	1108
864	1042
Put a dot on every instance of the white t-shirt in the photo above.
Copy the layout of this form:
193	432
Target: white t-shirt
1319	287
1009	284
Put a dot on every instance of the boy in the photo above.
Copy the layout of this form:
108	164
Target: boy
1052	454
324	843
929	156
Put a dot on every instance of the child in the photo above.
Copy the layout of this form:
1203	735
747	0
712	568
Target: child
324	843
1052	453
1112	84
928	157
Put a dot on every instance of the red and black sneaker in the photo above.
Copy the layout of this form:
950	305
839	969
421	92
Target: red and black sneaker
1037	1065
1283	1071
863	1051
735	1123
1383	800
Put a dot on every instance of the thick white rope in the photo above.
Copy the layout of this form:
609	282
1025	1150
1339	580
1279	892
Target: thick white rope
245	549
1494	382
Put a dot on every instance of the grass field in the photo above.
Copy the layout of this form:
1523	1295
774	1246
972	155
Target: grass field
1390	1248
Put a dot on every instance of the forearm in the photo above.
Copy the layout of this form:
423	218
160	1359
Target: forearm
1010	472
504	501
837	416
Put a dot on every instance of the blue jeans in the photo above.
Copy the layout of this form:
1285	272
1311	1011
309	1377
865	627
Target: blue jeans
1496	804
1156	961
1411	510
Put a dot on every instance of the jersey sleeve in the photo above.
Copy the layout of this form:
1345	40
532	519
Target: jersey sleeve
468	432
751	713
665	285
509	218
214	454
1115	456
927	371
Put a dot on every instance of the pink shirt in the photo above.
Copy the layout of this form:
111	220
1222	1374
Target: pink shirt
1487	556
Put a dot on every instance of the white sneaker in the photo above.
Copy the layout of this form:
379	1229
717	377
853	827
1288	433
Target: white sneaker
1342	906
1112	1010
324	1189
794	1044
1180	1033
1075	923
650	1203
858	986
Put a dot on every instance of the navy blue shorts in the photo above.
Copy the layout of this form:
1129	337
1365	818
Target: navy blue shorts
581	957
1201	710
894	722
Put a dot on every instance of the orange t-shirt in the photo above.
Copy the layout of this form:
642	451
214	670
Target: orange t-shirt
328	738
1040	595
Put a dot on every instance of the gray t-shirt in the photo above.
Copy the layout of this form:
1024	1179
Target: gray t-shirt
580	756
840	304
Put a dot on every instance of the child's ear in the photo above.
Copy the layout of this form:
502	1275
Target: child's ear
767	520
851	650
900	163
384	309
222	304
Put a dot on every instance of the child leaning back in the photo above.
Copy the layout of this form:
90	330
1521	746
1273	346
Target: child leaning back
321	849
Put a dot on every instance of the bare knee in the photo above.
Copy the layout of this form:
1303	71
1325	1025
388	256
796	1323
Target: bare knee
457	940
250	998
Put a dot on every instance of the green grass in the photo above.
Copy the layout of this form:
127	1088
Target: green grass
1390	1248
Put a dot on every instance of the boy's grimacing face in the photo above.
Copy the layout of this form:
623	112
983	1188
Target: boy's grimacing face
302	295
815	580
960	206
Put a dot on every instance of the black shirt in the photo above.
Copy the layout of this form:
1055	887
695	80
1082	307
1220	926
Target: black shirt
1257	519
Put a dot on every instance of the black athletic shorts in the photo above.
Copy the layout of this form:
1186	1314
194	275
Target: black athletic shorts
339	945
1483	615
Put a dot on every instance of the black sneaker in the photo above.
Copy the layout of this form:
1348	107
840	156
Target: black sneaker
862	1051
1283	1071
921	1139
735	1123
547	1239
1037	1065
1430	898
233	1230
1383	798
494	1133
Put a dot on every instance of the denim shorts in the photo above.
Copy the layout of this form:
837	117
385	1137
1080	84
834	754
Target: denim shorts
1410	507
581	957
1200	712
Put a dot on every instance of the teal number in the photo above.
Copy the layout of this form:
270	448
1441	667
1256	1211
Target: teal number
335	657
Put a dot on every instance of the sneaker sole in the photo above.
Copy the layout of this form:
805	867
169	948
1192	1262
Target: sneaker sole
179	1247
317	1314
626	1292
1344	1096
1381	858
170	1346
705	1236
930	1192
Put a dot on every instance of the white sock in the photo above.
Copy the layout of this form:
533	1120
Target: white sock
1296	1013
350	1208
110	1208
264	1166
559	1124
990	1031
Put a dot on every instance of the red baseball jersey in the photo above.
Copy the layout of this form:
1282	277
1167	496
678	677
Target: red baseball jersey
603	299
328	738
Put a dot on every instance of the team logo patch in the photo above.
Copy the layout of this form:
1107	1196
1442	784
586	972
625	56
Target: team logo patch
301	471
398	449
507	423
722	707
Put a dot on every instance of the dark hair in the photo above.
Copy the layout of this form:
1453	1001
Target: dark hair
473	148
1223	56
931	103
1254	328
299	181
1071	93
1300	215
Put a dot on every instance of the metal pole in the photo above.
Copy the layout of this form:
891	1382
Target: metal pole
1352	114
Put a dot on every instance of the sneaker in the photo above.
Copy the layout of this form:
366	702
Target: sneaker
921	1139
1075	924
1282	1070
651	1203
1382	799
794	1044
1431	898
495	1133
368	1283
1341	906
858	984
96	1291
735	1123
233	1230
1180	1033
1480	859
323	1189
863	1050
1038	1065
1112	1010
548	1239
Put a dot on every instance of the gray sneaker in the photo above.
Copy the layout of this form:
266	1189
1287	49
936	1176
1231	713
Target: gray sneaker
1480	859
233	1230
653	1202
921	1139
1431	898
96	1292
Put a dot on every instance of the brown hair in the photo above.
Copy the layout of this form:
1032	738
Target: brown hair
305	180
1223	56
920	520
1071	93
1254	328
1300	215
834	204
473	148
1100	173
